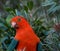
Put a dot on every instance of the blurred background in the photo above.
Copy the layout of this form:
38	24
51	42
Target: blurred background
43	16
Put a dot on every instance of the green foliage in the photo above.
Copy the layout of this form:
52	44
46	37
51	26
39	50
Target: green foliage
42	20
9	18
30	5
26	8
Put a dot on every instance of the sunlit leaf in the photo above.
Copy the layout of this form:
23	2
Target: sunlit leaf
9	18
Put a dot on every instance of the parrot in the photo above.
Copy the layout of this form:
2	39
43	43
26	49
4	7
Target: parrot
25	38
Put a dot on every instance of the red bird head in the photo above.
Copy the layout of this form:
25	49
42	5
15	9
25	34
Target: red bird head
19	22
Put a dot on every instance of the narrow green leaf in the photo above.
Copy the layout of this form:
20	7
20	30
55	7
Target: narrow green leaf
26	8
30	5
3	27
9	18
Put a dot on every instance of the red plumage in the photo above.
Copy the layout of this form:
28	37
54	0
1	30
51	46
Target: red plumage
25	35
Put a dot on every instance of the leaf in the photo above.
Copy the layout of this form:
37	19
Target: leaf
5	42
3	27
17	12
2	20
30	5
8	19
53	9
57	8
48	3
8	9
3	39
26	8
50	9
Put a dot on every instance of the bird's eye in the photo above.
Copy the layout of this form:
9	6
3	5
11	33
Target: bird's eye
19	20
